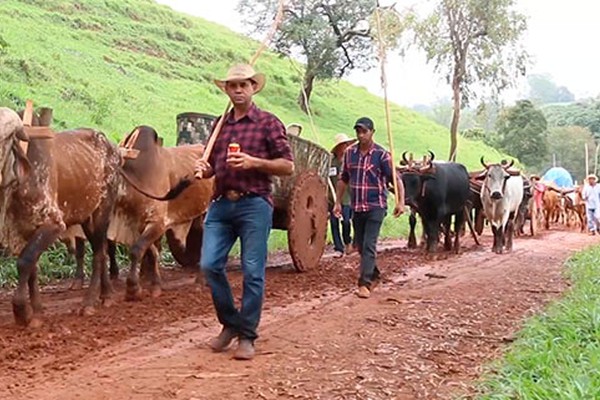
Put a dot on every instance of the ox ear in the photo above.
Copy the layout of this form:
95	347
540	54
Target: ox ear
513	172
481	176
22	166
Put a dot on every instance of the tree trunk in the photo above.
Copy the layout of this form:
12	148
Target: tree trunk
307	88
455	119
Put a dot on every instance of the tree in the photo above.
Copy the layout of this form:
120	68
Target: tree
473	42
585	114
542	89
522	132
333	37
566	146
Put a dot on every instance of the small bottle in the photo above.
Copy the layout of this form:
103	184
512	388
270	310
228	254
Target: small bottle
234	148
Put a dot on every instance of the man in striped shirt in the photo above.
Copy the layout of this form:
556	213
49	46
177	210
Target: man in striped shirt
367	170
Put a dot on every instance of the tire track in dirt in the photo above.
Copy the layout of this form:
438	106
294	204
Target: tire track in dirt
417	337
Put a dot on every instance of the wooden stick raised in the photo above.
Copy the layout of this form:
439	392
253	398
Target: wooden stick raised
386	102
213	137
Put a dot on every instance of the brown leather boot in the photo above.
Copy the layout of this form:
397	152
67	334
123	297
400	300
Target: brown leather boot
245	350
222	342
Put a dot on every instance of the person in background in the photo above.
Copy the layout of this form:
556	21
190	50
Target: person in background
251	147
367	169
341	244
591	196
294	129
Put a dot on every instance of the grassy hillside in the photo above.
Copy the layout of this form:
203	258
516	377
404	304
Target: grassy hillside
115	64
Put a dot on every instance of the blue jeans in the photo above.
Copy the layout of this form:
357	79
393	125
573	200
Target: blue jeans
366	231
250	219
591	219
338	244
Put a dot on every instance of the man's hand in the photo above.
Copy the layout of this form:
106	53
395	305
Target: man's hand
398	210
337	210
241	161
200	168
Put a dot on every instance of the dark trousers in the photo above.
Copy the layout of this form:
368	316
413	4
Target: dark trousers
338	244
366	231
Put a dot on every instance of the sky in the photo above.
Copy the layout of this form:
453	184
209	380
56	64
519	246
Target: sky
560	38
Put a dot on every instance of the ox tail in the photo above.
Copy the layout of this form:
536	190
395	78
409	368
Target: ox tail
173	193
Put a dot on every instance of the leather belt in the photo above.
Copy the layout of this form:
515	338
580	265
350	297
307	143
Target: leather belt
235	195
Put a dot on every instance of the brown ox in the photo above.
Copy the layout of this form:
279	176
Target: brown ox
551	203
68	180
574	204
139	221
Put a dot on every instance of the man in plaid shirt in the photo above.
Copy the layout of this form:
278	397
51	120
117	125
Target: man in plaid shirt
367	169
242	205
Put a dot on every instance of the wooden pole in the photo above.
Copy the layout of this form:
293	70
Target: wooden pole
587	160
388	121
261	48
596	159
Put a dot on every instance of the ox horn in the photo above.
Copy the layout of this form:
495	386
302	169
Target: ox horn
404	158
512	162
431	155
483	163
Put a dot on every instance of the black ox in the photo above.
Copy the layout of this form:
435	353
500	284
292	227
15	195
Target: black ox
436	191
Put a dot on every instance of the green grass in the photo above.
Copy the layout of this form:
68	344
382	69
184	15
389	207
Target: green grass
115	64
557	355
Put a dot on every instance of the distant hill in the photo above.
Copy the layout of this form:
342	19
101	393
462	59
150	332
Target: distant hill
114	64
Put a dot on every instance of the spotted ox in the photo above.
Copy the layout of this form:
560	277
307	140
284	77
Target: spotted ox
437	191
501	195
140	221
55	183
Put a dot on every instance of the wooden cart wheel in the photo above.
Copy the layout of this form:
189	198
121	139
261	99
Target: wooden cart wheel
307	220
187	254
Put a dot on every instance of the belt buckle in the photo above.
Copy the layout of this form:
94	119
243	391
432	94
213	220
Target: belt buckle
232	195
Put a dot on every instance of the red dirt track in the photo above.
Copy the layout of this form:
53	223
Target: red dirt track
424	333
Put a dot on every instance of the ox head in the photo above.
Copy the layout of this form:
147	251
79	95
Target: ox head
415	174
13	161
495	177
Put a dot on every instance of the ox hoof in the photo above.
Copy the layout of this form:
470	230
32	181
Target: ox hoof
108	302
155	291
23	314
133	293
76	284
35	323
87	311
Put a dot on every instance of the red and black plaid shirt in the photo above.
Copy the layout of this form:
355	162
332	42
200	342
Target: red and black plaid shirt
259	134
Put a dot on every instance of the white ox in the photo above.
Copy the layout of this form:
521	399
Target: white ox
501	195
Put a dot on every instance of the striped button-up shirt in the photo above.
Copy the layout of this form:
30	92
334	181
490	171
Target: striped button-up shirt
368	175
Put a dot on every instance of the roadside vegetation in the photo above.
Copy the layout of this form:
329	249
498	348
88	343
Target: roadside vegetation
557	354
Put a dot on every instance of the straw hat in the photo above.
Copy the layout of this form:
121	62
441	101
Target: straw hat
241	72
294	129
592	176
341	138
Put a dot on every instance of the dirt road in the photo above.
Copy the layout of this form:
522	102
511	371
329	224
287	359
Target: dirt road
424	334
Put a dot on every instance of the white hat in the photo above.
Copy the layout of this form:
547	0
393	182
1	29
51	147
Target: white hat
341	138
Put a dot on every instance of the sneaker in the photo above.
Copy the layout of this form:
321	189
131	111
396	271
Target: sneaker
222	342
363	292
245	350
592	233
338	254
